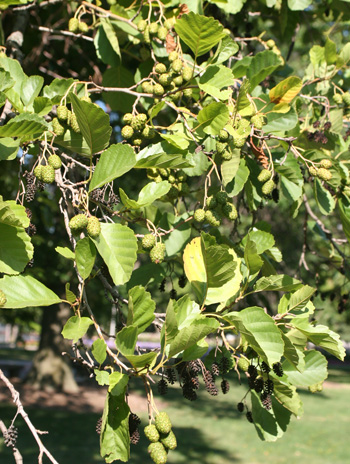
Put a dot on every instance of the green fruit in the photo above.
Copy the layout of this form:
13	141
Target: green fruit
162	33
226	155
160	68
213	218
148	242
221	198
324	174
57	128
243	363
258	121
220	147
264	175
187	73
223	135
338	99
178	80
157	255
54	161
86	99
326	163
164	172
162	420
146	35
47	174
139	121
181	176
183	188
173	192
3	298
171	179
127	132
141	26
62	113
152	433
152	172
78	223
230	211
148	132
239	141
270	43
165	79
176	65
169	23
187	93
73	25
158	89
83	27
38	172
93	227
199	215
74	123
136	141
173	56
268	187
211	202
153	28
142	118
312	171
128	117
158	179
243	126
157	453
147	87
169	440
175	96
346	98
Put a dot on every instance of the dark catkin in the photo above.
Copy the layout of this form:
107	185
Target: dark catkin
30	187
240	407
268	386
265	367
275	195
259	384
253	372
99	426
194	382
225	386
327	125
215	369
31	230
207	377
194	367
266	401
171	376
182	281
249	416
316	124
135	437
113	199
162	387
29	213
97	196
188	392
134	422
162	285
278	369
224	365
10	436
212	389
173	294
251	383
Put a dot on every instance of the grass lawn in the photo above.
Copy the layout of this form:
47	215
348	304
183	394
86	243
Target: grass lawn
209	431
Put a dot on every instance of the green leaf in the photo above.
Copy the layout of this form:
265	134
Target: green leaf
57	89
293	354
117	383
285	91
125	340
262	65
213	117
251	257
118	76
114	162
25	124
140	309
65	252
212	270
225	50
162	155
191	334
93	123
344	213
30	89
186	312
117	245
277	283
229	168
142	361
85	255
70	296
74	142
261	332
76	327
298	5
216	78
315	370
23	290
323	197
175	241
13	214
114	438
106	43
99	350
196	351
150	192
330	51
8	148
200	33
42	106
277	122
295	303
6	81
321	336
262	239
236	185
243	105
102	377
177	140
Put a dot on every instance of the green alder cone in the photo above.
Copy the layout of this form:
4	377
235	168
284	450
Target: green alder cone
62	113
346	98
136	141
57	127
165	79
178	80
153	28
221	198
152	433
55	161
243	364
148	242
268	187
162	33
148	133
213	218
162	422
3	298
223	135
226	155
338	99
73	25
48	174
93	227
160	68
169	23
78	223
324	174
230	211
173	56
199	215
187	93
211	202
264	176
258	121
86	99
158	89
157	255
127	132
38	172
239	141
128	117
74	123
220	147
187	73
176	65
141	26
157	453
146	35
83	27
270	43
326	163
312	171
169	440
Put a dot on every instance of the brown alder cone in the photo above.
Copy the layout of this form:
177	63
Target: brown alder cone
170	43
260	154
184	9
